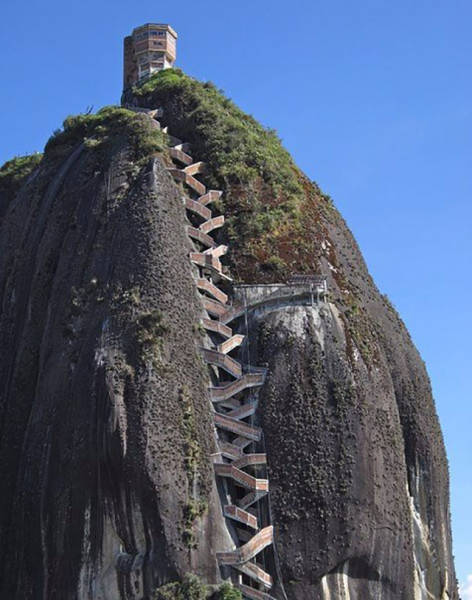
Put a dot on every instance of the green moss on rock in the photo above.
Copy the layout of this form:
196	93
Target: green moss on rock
227	592
15	171
238	148
150	329
192	588
110	125
265	197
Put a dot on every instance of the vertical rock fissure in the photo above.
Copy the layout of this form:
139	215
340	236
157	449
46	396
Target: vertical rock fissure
233	392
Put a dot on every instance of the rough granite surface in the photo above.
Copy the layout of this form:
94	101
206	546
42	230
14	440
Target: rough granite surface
105	422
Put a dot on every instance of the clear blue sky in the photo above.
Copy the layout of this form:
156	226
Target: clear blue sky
372	98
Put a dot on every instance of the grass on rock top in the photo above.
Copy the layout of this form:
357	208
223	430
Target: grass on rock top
266	195
236	146
108	126
267	199
276	220
15	171
269	205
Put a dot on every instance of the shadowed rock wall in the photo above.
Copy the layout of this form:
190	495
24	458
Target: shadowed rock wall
357	469
104	417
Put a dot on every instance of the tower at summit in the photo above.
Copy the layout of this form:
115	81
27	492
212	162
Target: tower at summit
150	48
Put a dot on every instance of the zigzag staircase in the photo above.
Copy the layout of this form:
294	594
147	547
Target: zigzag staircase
234	390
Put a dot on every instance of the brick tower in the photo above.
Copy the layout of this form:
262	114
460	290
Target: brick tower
150	48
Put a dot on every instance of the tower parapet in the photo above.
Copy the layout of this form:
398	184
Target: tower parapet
150	48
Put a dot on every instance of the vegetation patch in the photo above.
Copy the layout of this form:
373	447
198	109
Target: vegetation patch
264	190
192	451
194	509
277	221
15	171
238	148
193	459
192	588
110	126
227	592
150	330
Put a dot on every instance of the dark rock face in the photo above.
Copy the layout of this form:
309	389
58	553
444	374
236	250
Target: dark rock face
105	424
358	475
106	430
